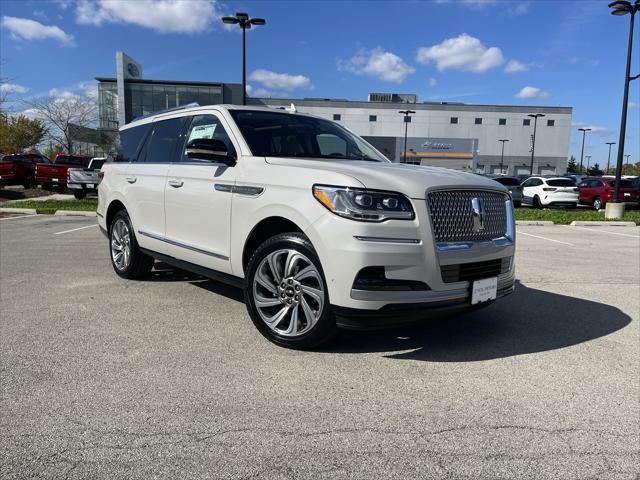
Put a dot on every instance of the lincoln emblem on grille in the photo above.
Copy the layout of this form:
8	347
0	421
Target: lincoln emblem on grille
477	213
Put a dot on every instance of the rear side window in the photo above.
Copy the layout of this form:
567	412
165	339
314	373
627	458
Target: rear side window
14	158
128	143
623	183
560	182
161	147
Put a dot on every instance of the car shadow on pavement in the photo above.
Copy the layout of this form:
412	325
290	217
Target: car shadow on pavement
528	321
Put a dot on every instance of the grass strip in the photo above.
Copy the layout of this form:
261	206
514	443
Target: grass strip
565	217
52	206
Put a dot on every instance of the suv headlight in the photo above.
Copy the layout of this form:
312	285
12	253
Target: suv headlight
364	205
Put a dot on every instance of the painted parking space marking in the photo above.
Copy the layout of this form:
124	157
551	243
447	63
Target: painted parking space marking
596	229
21	216
76	229
545	238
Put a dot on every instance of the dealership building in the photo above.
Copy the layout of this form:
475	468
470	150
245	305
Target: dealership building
452	135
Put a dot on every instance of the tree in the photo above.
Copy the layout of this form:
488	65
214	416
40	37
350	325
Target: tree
595	171
61	115
572	165
19	133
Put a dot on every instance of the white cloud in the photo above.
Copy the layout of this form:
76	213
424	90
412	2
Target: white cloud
165	16
532	92
633	104
27	29
470	3
519	8
62	94
463	52
377	63
13	88
432	82
514	66
280	81
595	129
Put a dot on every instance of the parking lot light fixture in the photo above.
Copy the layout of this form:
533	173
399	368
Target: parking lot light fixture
503	140
407	118
535	117
627	157
620	8
588	162
584	134
242	19
609	157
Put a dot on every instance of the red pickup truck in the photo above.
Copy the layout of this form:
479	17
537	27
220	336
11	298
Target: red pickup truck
19	168
55	175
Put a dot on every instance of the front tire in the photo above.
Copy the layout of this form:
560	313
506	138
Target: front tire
286	293
126	258
79	195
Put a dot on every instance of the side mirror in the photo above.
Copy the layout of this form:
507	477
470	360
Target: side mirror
210	149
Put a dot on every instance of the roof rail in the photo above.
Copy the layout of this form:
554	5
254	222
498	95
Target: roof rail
167	110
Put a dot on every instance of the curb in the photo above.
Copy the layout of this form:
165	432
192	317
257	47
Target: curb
26	211
74	213
534	223
609	223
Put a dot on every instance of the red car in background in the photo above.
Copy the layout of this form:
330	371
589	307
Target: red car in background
19	168
597	191
54	175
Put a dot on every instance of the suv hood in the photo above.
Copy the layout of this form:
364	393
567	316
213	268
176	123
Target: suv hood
411	180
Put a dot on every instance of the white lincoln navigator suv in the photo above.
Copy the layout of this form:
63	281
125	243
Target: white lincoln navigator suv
317	226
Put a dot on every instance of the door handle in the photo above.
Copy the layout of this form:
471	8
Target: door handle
176	183
131	179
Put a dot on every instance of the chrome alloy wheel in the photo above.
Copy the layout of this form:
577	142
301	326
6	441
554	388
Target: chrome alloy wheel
288	292
120	244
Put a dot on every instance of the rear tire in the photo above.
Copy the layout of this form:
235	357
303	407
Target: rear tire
126	258
286	293
597	203
28	183
536	202
80	195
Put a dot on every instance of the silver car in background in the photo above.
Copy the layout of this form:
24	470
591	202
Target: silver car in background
514	187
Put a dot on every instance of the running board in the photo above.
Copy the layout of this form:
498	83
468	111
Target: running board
197	269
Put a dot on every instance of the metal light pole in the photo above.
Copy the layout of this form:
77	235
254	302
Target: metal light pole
245	23
609	158
584	134
535	117
588	163
623	7
502	140
407	118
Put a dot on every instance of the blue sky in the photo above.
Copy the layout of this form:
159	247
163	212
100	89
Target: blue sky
536	52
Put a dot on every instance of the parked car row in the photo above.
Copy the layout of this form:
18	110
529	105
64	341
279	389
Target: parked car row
568	191
79	173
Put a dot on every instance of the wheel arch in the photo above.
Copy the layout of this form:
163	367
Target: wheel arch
266	228
114	207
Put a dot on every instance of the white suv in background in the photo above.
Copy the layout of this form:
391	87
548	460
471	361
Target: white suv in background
318	227
543	191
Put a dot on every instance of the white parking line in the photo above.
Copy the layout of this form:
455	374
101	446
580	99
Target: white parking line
545	238
597	229
75	229
20	216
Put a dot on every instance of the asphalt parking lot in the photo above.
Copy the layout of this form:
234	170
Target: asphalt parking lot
167	378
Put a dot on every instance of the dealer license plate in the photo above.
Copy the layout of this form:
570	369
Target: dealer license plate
89	185
55	180
484	290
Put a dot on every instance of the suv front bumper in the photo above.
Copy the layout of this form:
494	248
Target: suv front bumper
407	251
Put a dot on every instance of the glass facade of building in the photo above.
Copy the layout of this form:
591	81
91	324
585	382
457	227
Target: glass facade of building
144	97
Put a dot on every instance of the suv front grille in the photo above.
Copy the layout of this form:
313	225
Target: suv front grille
474	271
452	220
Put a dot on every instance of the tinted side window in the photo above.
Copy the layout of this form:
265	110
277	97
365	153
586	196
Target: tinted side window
330	144
528	183
161	147
205	126
128	143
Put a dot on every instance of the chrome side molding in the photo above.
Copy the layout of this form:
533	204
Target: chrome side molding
412	241
239	189
183	245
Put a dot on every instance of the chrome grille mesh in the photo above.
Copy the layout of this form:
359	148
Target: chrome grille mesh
451	215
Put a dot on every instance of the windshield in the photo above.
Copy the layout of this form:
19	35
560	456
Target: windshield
561	182
508	181
275	134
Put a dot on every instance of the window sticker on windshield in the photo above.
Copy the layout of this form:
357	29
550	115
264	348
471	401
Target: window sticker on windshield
202	131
